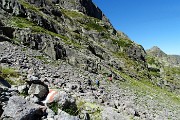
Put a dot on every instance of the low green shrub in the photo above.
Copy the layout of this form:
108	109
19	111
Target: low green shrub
54	107
71	109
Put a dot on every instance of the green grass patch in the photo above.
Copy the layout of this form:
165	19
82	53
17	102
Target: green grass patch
40	57
152	61
89	23
172	70
29	6
145	87
21	22
171	75
25	23
71	109
11	75
123	42
155	74
8	72
24	94
92	25
54	107
73	14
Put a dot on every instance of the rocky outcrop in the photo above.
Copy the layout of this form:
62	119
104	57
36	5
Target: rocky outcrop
136	52
85	6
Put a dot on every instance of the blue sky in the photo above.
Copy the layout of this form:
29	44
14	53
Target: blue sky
147	22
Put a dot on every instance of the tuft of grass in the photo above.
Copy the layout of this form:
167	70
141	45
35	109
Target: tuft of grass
8	72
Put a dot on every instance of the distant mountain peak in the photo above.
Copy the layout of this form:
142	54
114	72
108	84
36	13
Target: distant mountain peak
155	48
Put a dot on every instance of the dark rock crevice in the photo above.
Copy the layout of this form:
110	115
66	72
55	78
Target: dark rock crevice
60	51
7	31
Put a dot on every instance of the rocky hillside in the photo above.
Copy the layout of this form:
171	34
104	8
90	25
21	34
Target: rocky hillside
167	60
66	45
165	69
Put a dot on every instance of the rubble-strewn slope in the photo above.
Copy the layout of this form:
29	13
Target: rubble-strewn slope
61	45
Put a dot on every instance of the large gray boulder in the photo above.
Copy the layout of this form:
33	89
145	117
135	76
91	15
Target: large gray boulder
21	109
39	90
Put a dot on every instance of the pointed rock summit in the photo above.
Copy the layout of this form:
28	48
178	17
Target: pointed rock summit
156	52
155	48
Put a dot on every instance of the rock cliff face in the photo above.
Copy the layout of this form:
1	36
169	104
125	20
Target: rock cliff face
64	44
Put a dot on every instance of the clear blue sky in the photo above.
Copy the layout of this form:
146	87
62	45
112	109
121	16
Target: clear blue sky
147	22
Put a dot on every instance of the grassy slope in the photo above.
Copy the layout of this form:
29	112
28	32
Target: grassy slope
150	96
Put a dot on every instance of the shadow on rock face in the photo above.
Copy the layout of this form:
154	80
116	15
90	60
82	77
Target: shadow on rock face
1	110
60	51
4	82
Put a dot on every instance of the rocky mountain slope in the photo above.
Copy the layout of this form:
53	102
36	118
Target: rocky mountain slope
164	68
61	45
167	60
